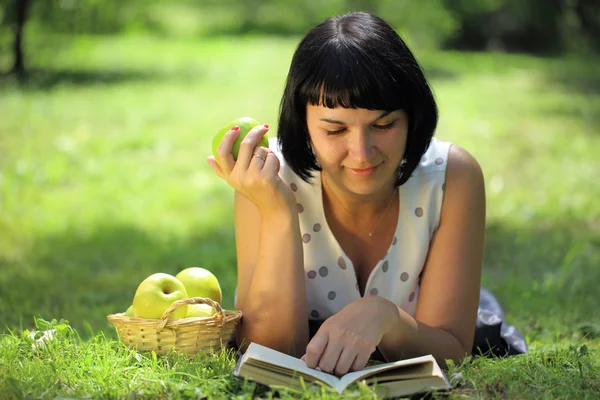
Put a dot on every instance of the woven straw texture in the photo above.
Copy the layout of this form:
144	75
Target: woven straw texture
186	335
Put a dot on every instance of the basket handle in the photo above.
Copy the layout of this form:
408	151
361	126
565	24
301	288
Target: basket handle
190	300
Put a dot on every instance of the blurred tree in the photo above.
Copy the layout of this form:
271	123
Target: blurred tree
15	14
84	16
588	13
422	24
535	26
64	17
21	9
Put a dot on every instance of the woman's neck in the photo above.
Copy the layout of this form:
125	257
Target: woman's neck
363	209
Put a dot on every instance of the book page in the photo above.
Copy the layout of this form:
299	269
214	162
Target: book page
266	377
397	366
408	372
410	387
282	362
287	372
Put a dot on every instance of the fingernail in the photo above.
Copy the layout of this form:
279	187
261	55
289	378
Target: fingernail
266	126
235	128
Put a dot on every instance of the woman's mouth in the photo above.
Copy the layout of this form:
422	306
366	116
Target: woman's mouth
363	171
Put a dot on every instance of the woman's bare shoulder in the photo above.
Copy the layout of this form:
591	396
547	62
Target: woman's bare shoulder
463	166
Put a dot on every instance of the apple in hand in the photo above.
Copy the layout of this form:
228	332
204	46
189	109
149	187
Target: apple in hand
200	282
156	293
245	124
200	310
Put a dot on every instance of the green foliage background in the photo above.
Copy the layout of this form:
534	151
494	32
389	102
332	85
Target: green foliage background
103	178
539	26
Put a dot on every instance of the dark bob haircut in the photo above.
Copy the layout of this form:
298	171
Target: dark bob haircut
355	60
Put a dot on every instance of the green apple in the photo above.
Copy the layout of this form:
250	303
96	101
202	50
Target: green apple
245	124
129	312
200	282
200	310
156	293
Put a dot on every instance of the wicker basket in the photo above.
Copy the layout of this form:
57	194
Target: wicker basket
188	335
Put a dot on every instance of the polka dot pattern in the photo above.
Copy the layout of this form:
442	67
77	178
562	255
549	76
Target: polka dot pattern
331	295
385	266
394	241
300	208
306	238
419	212
439	161
323	271
411	298
373	292
294	187
404	277
342	263
314	314
311	274
316	227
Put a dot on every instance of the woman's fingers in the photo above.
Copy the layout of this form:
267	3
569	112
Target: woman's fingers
361	360
254	172
271	165
259	159
330	357
248	145
345	361
315	349
215	167
224	157
249	152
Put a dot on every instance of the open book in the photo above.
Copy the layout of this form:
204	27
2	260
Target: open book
273	368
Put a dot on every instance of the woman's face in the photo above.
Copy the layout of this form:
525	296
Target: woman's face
358	150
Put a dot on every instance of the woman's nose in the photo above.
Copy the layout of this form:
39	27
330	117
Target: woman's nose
360	147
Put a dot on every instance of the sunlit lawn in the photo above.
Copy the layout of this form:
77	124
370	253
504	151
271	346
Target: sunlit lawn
103	181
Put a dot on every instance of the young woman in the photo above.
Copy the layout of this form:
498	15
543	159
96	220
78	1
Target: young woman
357	232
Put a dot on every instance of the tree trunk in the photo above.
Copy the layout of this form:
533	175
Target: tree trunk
21	9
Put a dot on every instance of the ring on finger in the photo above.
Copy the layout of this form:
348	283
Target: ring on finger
259	155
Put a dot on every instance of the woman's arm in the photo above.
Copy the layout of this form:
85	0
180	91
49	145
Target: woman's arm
444	323
271	293
271	289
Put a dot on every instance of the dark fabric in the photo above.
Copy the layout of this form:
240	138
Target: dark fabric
493	337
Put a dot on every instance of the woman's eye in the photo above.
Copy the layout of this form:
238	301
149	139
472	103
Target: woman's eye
336	132
385	127
378	127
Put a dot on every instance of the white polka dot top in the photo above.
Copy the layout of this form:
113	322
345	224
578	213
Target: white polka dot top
331	282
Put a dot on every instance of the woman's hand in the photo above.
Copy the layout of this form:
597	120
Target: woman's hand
255	174
346	340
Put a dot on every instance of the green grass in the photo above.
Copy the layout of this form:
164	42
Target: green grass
103	181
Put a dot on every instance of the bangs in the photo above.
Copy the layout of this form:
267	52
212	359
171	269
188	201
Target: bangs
349	79
355	60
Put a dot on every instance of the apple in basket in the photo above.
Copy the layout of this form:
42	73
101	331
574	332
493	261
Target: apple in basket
155	295
129	312
200	282
200	310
